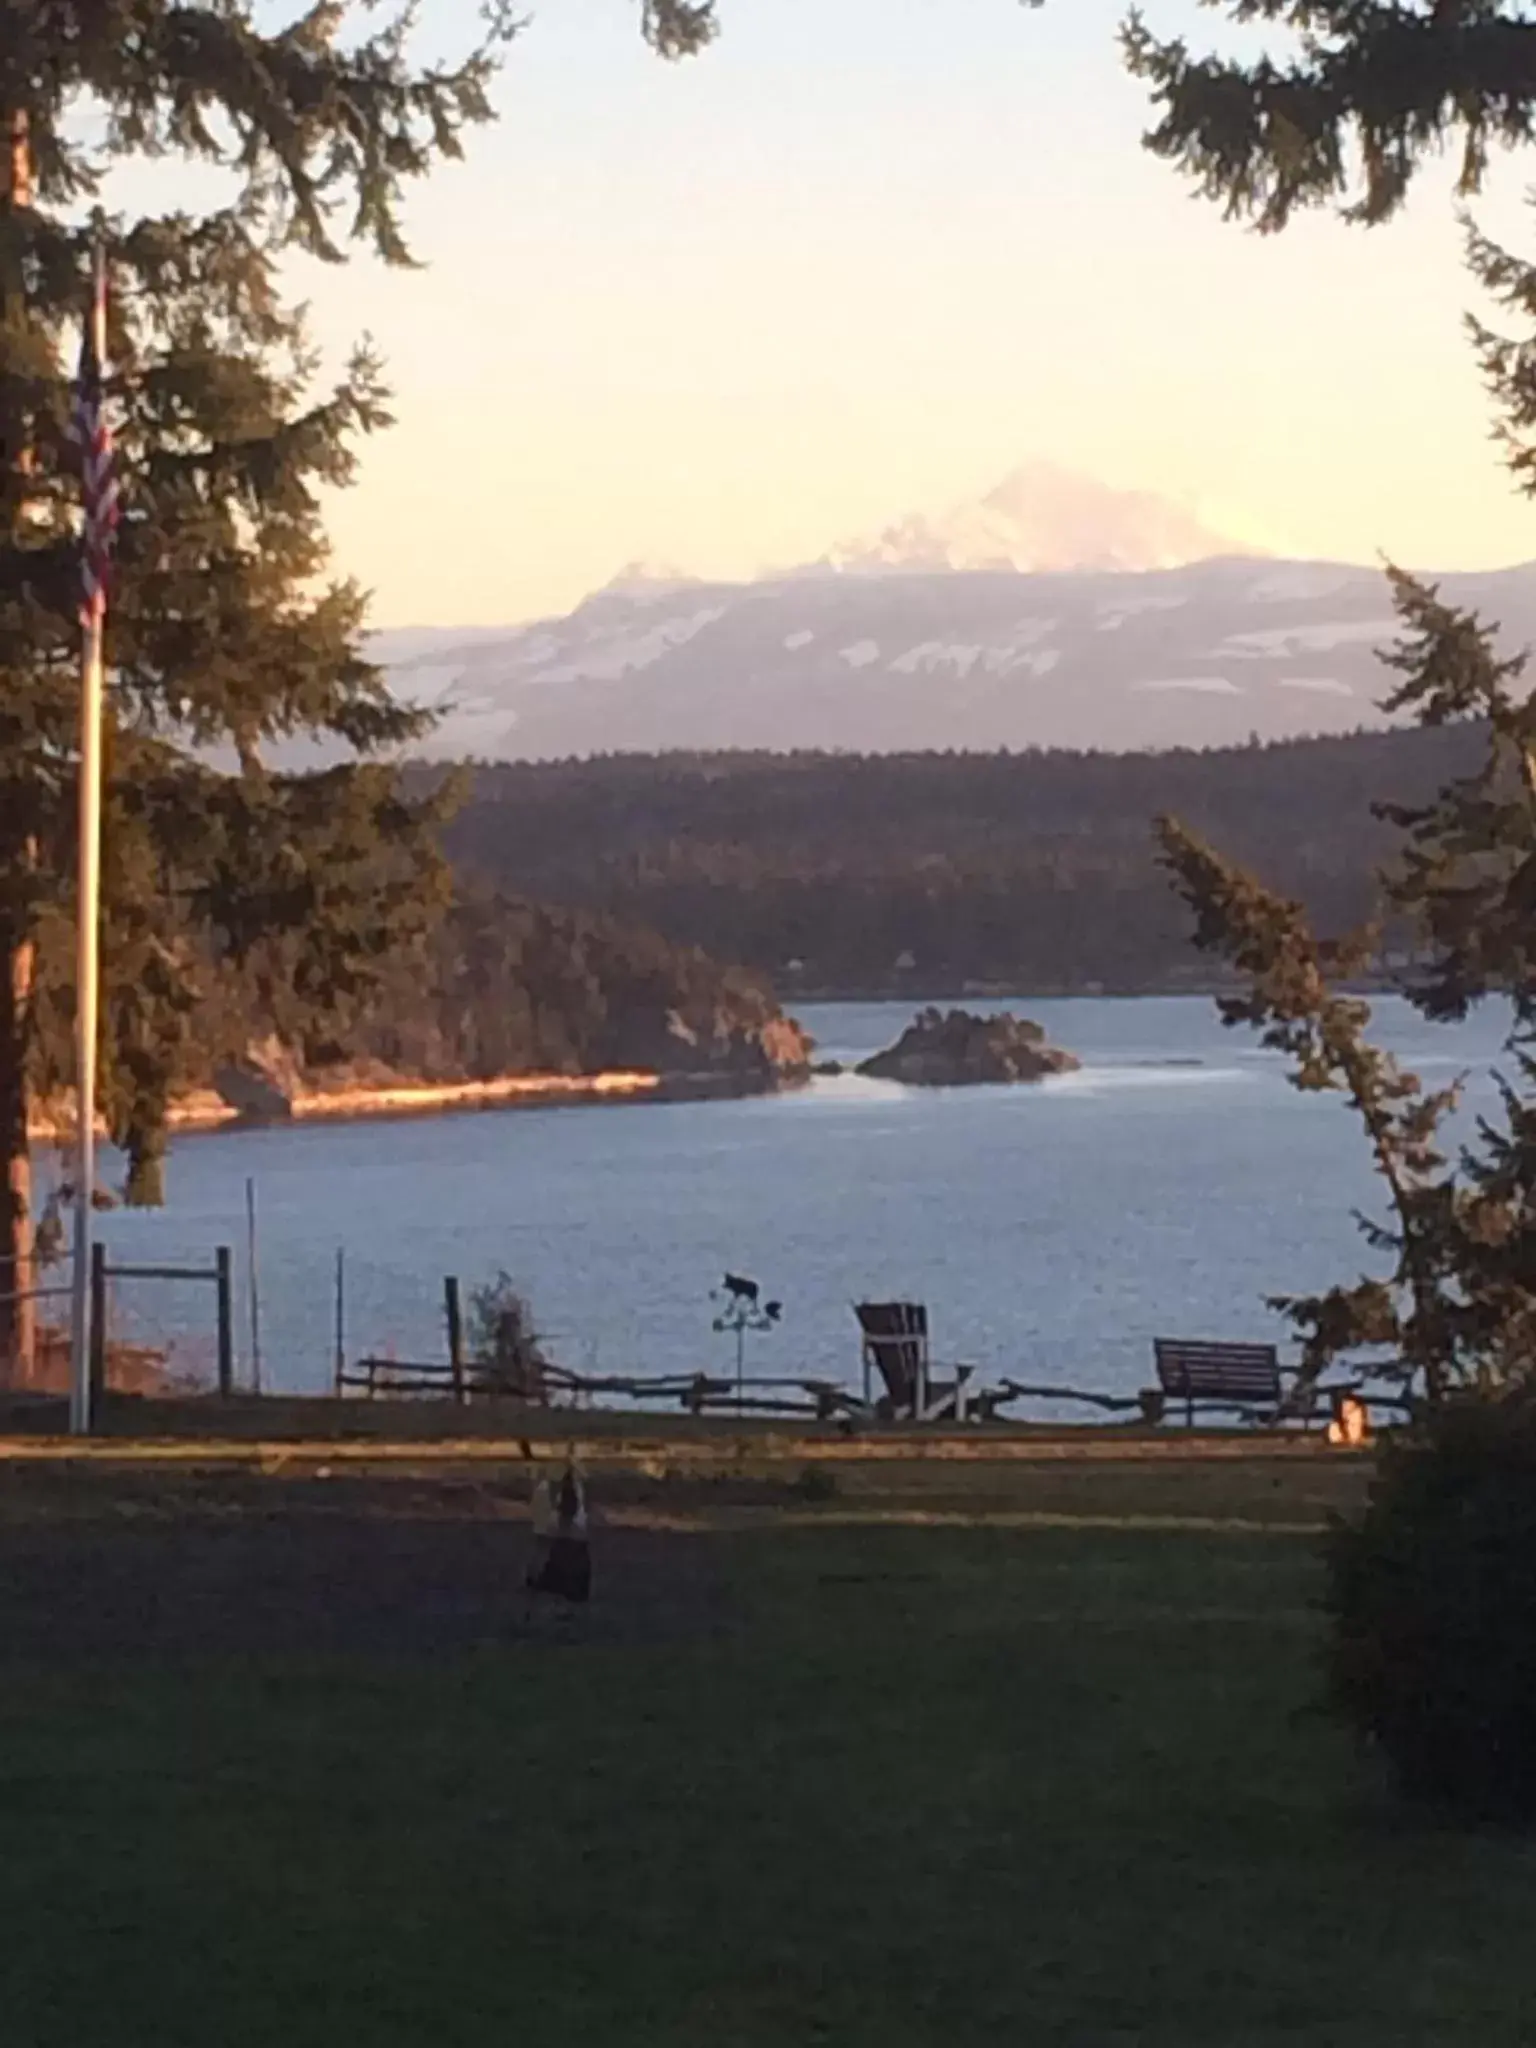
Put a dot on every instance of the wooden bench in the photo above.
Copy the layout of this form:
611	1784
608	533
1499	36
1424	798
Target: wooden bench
1242	1376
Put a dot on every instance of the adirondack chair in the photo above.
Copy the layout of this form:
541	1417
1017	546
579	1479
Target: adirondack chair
894	1344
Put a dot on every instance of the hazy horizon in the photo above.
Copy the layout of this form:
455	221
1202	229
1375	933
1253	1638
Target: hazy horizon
640	571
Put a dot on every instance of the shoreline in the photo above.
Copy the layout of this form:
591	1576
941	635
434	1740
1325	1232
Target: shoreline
206	1110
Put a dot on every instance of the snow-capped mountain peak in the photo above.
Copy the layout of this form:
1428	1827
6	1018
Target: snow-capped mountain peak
1050	611
1042	518
643	581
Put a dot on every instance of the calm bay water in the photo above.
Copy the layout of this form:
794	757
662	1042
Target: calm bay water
1053	1230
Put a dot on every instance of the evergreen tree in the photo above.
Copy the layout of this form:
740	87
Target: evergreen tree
1372	90
1458	1306
223	630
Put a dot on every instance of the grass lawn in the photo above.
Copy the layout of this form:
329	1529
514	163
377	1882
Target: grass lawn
907	1785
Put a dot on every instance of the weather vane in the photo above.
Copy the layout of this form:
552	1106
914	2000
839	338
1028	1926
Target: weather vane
739	1307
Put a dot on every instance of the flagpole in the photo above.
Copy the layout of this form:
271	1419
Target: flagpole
88	944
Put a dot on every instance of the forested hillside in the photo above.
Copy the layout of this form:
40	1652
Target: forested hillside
507	986
924	873
502	986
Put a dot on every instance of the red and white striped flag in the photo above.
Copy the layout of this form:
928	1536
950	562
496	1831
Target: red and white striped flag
98	485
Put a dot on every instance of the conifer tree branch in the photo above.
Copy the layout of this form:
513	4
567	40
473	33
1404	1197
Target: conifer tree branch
1293	1002
1372	91
1466	872
1461	1302
327	128
678	28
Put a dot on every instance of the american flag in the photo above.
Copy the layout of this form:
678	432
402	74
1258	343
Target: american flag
93	435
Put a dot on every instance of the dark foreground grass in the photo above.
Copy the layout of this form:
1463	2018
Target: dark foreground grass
931	1786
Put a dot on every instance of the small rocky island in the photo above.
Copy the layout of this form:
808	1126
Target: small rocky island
954	1048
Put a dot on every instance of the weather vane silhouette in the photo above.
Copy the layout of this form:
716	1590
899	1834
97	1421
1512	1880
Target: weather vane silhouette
739	1307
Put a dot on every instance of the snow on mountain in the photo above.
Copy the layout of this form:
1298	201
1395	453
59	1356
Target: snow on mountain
1051	611
1202	655
1041	518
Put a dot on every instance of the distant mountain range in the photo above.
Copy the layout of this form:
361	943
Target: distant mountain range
1052	612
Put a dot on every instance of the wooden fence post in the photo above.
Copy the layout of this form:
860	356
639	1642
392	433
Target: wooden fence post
98	1351
226	1323
452	1310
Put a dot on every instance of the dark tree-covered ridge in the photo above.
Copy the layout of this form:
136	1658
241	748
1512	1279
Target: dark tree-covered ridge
928	872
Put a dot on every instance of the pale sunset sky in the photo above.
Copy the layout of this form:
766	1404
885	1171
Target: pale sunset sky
861	259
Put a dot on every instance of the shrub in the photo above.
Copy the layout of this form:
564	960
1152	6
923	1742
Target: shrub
1433	1601
507	1349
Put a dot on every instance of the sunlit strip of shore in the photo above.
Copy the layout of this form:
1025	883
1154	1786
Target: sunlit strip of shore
410	1098
207	1111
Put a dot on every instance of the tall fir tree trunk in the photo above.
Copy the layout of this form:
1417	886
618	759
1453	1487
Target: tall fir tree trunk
18	1313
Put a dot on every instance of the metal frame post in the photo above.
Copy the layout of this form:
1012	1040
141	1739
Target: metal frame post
222	1270
453	1311
97	1369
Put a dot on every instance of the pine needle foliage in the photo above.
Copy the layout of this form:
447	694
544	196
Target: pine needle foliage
1357	99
